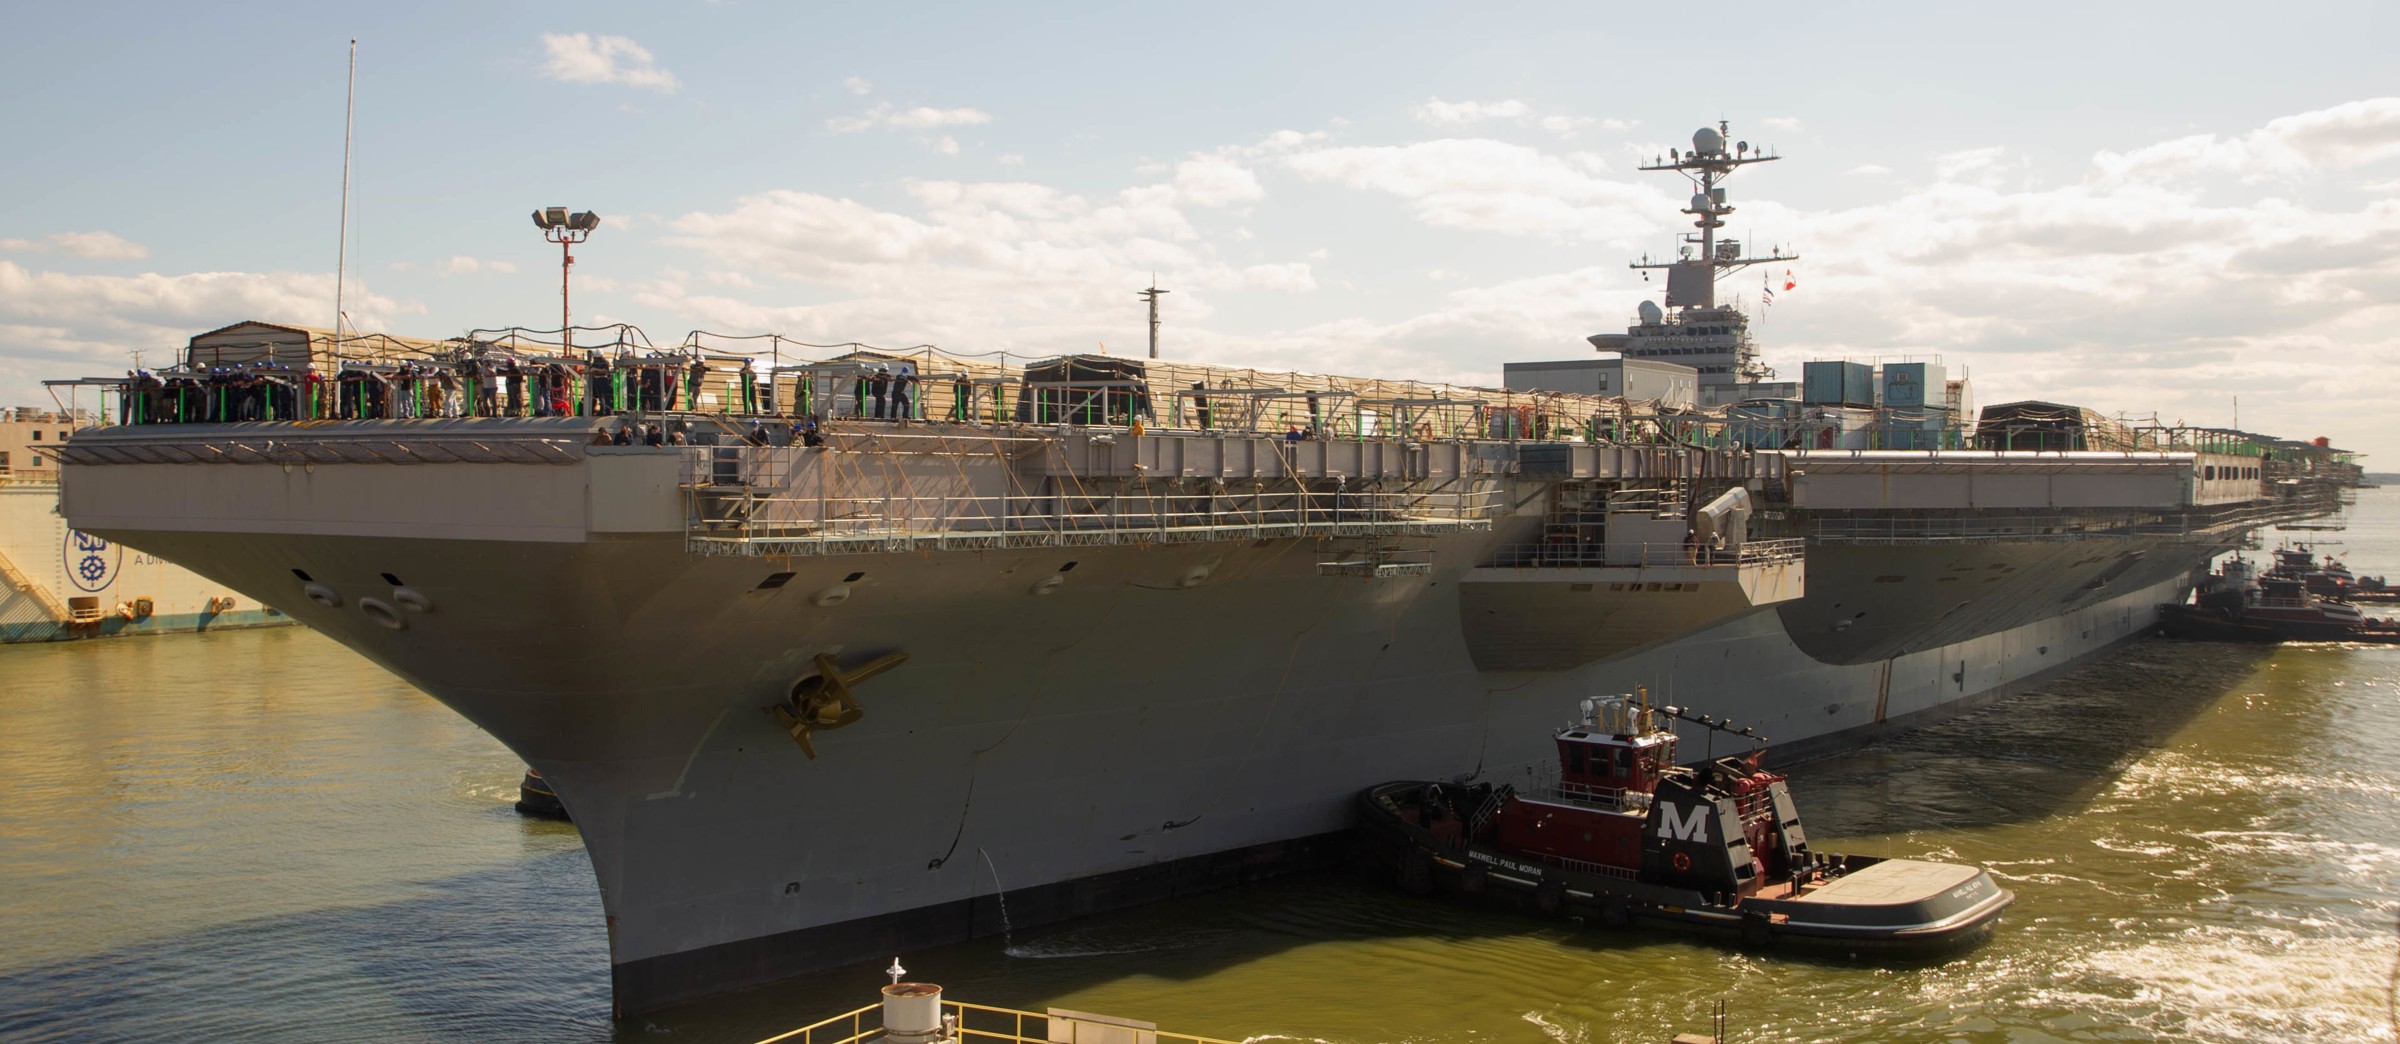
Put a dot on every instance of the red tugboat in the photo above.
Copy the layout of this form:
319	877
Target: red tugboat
1626	835
2328	579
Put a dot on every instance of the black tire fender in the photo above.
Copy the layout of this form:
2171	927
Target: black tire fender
1616	912
1416	873
1551	896
1475	879
1757	932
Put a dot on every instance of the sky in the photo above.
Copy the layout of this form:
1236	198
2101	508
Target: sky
2180	211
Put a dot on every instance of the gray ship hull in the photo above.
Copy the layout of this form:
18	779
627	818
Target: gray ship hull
1118	739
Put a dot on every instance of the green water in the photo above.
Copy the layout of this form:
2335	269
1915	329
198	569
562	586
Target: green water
257	835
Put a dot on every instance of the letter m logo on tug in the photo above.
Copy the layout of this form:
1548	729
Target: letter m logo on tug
1674	825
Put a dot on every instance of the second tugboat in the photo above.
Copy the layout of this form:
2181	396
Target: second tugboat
1625	834
2284	605
536	799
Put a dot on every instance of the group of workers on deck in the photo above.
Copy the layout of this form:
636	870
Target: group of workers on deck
502	385
508	385
471	386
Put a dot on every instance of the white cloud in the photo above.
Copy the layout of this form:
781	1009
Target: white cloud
1443	114
1011	159
55	324
2344	136
99	246
1439	113
919	118
1870	170
1951	166
1446	114
585	58
857	85
1788	124
1019	265
1483	184
922	117
1214	181
464	265
1280	143
946	145
1287	277
1591	161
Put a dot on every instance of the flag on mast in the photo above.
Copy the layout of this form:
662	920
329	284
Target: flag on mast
1787	279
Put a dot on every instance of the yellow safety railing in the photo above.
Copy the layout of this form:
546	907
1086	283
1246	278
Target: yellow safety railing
856	1022
983	1022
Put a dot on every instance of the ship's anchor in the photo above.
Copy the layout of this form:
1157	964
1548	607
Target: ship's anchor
823	700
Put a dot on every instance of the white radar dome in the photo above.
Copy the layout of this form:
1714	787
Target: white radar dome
1700	202
1651	313
1706	141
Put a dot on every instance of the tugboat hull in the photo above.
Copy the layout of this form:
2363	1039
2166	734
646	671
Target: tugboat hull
536	799
2196	623
1856	902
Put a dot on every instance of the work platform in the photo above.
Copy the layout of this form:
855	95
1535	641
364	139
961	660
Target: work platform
1901	498
932	538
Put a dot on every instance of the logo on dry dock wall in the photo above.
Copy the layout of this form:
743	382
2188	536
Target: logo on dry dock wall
91	562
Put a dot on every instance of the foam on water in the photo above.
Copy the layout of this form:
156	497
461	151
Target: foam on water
2224	984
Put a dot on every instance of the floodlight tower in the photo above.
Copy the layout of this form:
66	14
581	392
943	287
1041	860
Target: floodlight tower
566	230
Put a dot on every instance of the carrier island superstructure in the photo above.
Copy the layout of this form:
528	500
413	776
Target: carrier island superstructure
1096	631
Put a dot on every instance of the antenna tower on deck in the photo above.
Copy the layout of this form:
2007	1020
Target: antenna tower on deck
341	264
1151	295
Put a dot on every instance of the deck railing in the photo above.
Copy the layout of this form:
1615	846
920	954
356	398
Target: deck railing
740	505
1547	785
2221	522
1596	555
1589	867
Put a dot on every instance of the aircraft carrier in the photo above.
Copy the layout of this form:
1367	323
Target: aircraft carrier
1097	631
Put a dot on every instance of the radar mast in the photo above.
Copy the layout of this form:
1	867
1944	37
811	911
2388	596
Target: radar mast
1692	281
1710	337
